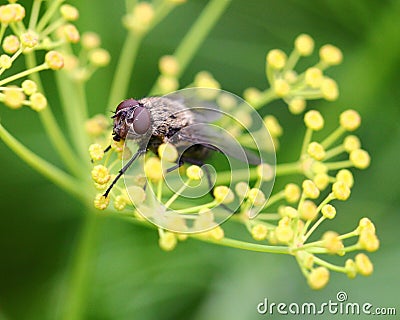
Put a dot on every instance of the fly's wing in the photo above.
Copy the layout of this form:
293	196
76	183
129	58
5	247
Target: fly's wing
214	138
202	110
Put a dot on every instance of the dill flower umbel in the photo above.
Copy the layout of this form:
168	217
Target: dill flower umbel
160	190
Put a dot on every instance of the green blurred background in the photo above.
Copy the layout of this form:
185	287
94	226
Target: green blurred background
129	276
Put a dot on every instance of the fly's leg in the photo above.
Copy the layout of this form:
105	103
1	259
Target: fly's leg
123	170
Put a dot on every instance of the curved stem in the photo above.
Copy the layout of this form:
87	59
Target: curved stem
80	270
245	245
52	128
48	170
124	69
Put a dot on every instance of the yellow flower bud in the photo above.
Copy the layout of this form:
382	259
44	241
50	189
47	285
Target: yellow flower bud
242	189
321	180
259	232
252	95
70	33
310	189
54	60
368	241
366	224
223	194
168	84
292	193
351	269
284	234
96	125
167	241
136	194
90	40
360	158
318	167
256	196
194	172
329	89
297	105
38	101
5	61
120	203
99	57
100	174
363	264
216	233
316	151
328	211
281	87
290	212
351	143
141	18
318	278
350	120
169	66
273	126
330	55
332	242
304	44
101	202
308	210
153	169
29	39
168	152
13	97
29	87
314	77
69	13
314	120
276	59
204	79
345	176
265	172
19	12
7	14
341	190
96	152
11	44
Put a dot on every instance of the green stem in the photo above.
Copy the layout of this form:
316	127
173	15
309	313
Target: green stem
73	104
291	61
339	165
288	168
24	73
306	141
124	69
34	14
48	15
334	152
177	194
266	97
329	265
314	227
190	44
242	174
52	128
329	140
80	271
48	170
244	245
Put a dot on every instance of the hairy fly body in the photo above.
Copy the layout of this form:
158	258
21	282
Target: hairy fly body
152	121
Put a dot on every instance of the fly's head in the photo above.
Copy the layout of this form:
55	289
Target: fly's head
131	116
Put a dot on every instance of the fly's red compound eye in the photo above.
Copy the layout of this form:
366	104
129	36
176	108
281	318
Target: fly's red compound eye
128	103
142	121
